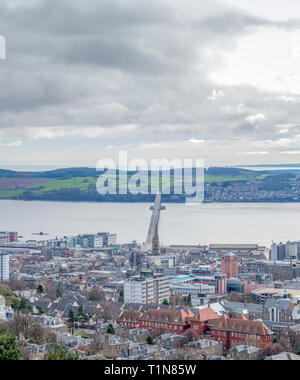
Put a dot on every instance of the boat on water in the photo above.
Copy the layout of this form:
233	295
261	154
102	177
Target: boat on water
39	233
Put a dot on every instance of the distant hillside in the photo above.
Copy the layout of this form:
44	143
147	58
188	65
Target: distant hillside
79	185
230	172
92	172
58	173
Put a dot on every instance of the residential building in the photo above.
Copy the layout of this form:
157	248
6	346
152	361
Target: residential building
4	266
147	290
244	353
240	331
6	312
284	356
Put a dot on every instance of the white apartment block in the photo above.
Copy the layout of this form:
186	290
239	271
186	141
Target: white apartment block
4	267
147	291
192	289
111	239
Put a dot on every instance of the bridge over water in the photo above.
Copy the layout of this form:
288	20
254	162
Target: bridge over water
154	222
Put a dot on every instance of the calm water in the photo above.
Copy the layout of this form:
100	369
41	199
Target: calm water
179	224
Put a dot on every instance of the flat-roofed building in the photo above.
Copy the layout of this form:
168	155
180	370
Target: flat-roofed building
241	250
146	290
4	266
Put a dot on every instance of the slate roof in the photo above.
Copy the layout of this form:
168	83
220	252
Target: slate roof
229	254
240	308
240	325
284	356
245	349
283	303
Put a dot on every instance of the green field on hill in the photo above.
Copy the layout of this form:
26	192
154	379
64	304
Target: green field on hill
85	184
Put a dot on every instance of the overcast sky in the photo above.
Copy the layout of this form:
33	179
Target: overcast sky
212	80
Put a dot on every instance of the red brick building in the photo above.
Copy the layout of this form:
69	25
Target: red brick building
240	331
199	322
173	321
13	236
230	265
230	331
129	319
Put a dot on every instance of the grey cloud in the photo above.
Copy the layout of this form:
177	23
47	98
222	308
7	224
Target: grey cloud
69	61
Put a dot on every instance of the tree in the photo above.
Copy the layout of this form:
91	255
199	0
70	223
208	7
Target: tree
159	331
71	316
80	311
59	291
108	312
286	339
188	300
21	305
40	289
96	345
35	333
191	335
110	330
95	295
8	294
271	350
57	352
150	340
165	302
121	296
20	325
9	349
40	310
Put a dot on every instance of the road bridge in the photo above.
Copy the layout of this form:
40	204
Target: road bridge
152	236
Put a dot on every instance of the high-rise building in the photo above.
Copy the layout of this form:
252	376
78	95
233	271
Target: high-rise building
13	236
146	290
278	252
230	265
8	237
89	241
292	250
108	239
4	237
4	266
135	259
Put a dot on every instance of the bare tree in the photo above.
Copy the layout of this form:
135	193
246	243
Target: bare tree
95	295
96	345
271	350
191	335
108	312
